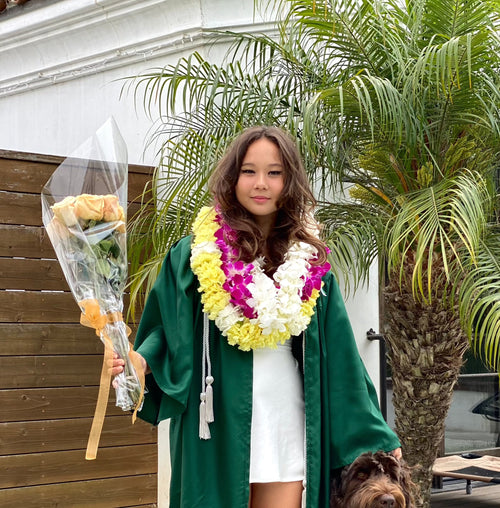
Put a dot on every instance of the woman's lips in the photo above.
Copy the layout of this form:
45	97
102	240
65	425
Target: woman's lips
260	199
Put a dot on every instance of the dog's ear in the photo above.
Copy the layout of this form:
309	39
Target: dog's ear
346	477
409	488
336	492
360	469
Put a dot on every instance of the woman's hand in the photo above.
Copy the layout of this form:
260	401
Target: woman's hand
397	453
118	364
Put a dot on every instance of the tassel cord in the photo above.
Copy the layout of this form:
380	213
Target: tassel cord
206	395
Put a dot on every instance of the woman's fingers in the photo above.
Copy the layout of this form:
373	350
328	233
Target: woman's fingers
116	365
397	453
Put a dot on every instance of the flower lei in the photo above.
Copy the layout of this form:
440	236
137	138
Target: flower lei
251	309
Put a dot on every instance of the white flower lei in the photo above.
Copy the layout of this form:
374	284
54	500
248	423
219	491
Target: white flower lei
279	305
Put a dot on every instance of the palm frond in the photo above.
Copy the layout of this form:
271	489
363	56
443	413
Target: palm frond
352	235
479	295
438	219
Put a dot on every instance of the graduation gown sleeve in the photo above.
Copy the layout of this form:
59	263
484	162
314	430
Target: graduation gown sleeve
169	312
356	422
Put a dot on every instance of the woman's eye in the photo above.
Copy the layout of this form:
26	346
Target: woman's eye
247	171
275	173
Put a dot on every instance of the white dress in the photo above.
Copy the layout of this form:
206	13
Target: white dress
277	439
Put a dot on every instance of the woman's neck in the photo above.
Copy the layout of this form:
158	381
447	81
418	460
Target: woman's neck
265	224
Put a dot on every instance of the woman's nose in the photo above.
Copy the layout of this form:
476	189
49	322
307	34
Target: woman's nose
261	182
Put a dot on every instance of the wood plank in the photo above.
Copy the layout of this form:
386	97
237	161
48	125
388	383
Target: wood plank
25	241
137	183
141	169
41	307
72	434
34	274
29	404
113	492
49	371
20	208
69	466
57	159
38	307
41	157
31	176
24	175
48	339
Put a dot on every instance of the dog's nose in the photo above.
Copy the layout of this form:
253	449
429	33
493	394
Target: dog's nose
386	501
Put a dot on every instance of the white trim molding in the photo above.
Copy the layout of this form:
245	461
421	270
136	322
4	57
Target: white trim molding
70	39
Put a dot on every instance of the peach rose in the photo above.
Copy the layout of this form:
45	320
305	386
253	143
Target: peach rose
113	211
65	211
89	207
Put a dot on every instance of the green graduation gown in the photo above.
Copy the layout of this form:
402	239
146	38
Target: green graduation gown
342	413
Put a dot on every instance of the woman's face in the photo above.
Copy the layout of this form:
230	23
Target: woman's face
261	181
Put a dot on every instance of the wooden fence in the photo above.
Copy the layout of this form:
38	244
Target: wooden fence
50	370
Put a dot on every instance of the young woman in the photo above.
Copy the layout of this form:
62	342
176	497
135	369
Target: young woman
248	346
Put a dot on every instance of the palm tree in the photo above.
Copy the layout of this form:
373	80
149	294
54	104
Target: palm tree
396	106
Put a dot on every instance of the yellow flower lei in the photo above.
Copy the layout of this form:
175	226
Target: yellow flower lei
206	265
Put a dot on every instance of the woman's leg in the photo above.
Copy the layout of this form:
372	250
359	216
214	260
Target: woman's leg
276	495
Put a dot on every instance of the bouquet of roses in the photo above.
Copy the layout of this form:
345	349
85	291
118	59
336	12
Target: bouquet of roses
83	206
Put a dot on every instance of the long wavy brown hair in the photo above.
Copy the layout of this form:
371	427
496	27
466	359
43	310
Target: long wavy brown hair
296	202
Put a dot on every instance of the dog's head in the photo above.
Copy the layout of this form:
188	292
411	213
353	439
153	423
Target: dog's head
374	480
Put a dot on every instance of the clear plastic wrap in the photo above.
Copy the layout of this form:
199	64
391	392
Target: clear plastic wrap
84	212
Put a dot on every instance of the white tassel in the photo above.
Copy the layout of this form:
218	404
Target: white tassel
209	399
204	430
206	395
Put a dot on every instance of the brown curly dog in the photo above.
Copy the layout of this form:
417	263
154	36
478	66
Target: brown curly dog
373	480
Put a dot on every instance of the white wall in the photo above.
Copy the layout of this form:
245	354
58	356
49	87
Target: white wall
61	69
363	310
62	64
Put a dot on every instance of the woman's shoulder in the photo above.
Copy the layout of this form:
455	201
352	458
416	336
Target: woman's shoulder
329	279
179	253
182	247
330	288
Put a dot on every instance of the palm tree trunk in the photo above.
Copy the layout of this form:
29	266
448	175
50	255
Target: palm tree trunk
425	348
